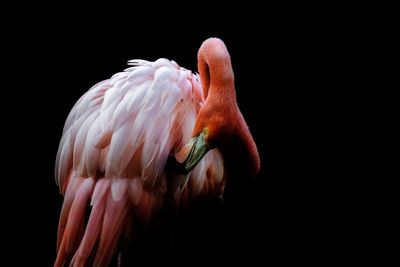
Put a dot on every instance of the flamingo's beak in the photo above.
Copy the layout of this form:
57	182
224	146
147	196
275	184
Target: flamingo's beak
190	155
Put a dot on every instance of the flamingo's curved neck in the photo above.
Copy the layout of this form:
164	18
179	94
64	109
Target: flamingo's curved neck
217	78
240	153
215	69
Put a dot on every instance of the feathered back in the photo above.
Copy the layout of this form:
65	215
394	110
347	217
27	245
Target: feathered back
113	152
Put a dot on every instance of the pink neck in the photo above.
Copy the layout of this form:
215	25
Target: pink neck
215	69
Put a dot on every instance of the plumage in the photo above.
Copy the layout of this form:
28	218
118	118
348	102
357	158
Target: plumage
116	144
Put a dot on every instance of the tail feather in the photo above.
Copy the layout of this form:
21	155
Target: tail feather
62	256
75	221
110	221
108	252
91	235
68	200
113	222
100	190
77	212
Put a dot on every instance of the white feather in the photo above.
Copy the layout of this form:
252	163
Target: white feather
120	152
140	75
99	190
162	62
79	145
117	78
110	97
106	116
63	160
136	97
135	62
118	188
96	140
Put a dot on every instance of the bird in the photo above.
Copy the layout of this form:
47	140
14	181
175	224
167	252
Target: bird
150	132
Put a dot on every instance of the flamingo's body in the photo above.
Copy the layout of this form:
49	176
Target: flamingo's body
116	143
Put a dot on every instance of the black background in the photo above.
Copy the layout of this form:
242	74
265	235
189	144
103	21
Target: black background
289	75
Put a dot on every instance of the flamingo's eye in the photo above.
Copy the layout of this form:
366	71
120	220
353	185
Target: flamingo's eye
205	131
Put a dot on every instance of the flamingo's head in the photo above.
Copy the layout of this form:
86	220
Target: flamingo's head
217	118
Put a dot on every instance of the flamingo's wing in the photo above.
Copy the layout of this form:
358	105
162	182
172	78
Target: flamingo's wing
113	152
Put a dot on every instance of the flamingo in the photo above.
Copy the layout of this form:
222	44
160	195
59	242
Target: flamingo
152	131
